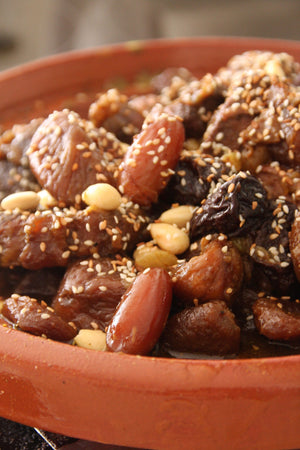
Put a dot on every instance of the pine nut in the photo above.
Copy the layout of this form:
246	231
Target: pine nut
93	339
46	199
26	200
152	256
102	196
179	215
169	238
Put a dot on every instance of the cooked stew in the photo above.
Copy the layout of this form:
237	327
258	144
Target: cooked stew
165	223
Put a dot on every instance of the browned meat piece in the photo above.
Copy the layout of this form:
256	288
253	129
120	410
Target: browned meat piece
14	178
208	329
277	319
121	115
14	172
67	154
260	119
125	124
294	242
216	274
15	142
171	80
143	103
243	102
279	64
52	238
277	128
106	105
280	182
37	318
40	284
195	104
91	290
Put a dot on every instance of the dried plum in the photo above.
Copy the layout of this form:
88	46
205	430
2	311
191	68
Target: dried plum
235	208
193	178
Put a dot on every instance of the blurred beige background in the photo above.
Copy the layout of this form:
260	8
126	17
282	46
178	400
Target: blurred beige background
32	29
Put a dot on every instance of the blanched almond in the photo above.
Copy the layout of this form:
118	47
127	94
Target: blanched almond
170	238
102	196
93	339
179	215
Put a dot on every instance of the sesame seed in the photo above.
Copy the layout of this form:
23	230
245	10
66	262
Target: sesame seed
45	316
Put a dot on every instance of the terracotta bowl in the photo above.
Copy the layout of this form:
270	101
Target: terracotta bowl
146	402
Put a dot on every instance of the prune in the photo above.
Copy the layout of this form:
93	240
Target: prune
193	178
277	319
37	318
271	246
91	290
216	274
208	329
235	208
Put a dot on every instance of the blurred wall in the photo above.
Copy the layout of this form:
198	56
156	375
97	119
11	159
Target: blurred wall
35	28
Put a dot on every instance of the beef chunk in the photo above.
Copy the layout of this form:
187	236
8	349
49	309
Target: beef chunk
67	154
53	237
277	319
216	273
294	241
15	142
208	329
91	290
14	178
37	318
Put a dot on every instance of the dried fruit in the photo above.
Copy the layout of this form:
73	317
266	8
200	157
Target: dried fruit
141	314
149	161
